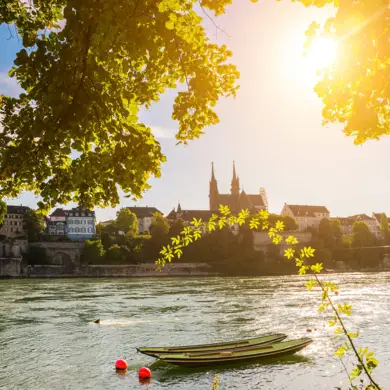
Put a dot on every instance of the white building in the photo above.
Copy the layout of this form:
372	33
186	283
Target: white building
144	216
306	216
80	224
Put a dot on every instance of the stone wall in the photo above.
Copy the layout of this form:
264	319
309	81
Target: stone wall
140	270
61	253
10	267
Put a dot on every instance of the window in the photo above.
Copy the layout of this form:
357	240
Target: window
77	214
12	229
83	229
6	230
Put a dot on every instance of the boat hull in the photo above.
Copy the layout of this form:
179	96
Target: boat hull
205	348
276	350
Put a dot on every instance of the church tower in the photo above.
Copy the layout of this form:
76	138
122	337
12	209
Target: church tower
213	192
235	188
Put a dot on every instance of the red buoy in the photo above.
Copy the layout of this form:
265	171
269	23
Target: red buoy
144	373
121	364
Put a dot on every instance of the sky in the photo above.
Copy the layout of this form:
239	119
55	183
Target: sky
273	129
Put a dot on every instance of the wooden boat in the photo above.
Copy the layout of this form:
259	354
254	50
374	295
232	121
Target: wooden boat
226	346
234	356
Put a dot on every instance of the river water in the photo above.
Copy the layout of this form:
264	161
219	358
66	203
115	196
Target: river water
46	341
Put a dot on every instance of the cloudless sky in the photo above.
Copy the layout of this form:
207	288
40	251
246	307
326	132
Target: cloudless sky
273	129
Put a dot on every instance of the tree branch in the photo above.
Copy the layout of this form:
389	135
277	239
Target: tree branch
212	21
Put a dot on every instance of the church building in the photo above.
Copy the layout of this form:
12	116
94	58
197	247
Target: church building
237	199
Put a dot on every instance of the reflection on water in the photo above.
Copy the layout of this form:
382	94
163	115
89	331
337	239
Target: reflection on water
48	338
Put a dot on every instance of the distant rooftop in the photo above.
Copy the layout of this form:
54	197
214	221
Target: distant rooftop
308	211
142	212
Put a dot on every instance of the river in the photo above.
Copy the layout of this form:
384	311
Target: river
46	341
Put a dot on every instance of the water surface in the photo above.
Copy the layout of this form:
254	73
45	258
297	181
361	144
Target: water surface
46	341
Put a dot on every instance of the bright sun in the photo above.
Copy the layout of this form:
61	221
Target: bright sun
322	53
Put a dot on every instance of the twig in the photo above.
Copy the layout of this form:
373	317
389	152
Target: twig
212	20
347	335
10	33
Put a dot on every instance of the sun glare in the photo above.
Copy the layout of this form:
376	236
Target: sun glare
322	53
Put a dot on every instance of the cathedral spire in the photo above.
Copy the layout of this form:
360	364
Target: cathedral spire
178	207
212	171
213	192
235	188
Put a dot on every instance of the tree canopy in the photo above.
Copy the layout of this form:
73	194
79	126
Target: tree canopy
33	225
361	235
126	221
86	67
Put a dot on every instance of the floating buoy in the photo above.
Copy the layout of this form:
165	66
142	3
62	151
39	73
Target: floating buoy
121	364
144	373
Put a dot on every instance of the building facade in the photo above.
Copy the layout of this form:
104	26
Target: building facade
13	225
81	224
56	224
307	217
77	224
378	223
144	217
237	199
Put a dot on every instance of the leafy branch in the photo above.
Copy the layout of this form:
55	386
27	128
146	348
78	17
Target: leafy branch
366	362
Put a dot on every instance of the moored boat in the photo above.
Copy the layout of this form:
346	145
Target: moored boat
234	356
225	346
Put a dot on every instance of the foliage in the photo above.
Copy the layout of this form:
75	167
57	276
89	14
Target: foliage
385	228
33	225
3	211
111	57
114	255
93	252
126	221
176	228
365	360
355	89
159	227
361	235
290	224
84	83
336	231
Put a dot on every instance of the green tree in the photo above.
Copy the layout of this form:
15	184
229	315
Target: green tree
355	89
112	57
33	225
3	211
93	252
290	224
176	228
126	221
114	255
336	231
325	232
385	228
159	228
361	235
